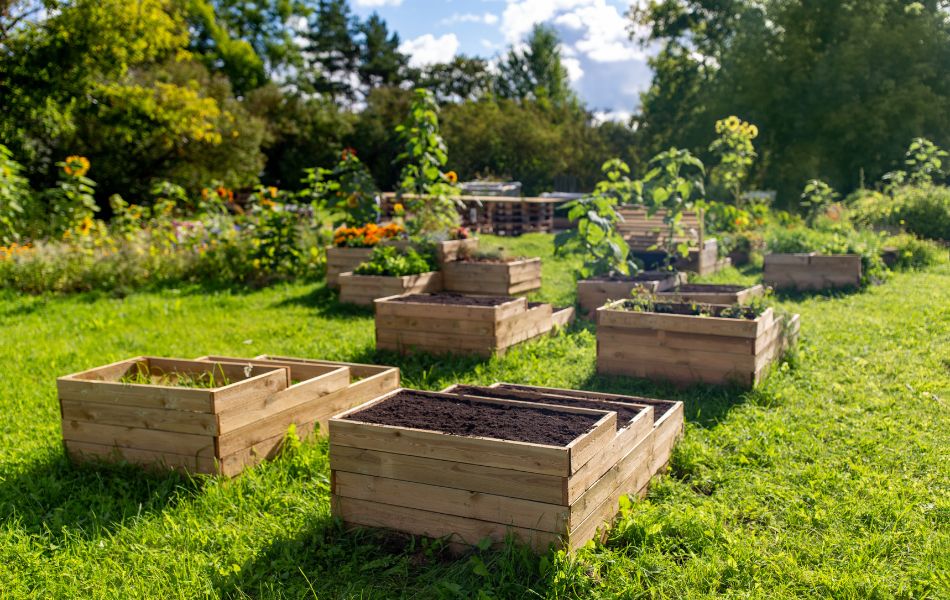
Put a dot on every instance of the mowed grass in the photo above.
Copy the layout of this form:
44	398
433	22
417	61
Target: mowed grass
831	480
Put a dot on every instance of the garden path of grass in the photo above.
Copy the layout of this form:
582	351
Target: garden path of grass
833	479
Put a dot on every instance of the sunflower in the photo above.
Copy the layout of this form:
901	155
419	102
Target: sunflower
76	166
733	122
273	191
452	176
398	208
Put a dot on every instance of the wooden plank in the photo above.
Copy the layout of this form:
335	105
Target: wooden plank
500	509
252	391
613	343
548	489
187	444
684	341
80	451
358	370
611	317
111	372
435	525
451	311
450	327
146	396
159	419
680	374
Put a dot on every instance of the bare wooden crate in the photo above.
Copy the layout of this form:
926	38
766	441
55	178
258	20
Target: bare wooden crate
696	293
364	289
812	271
404	326
344	260
467	489
687	349
190	428
594	293
493	278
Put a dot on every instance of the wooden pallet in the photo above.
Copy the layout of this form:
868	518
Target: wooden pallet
492	278
466	489
688	349
812	271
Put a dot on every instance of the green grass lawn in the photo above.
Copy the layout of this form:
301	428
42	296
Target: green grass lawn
831	480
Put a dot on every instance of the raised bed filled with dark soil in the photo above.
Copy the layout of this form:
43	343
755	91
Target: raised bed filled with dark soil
710	293
476	462
492	276
595	292
687	343
455	323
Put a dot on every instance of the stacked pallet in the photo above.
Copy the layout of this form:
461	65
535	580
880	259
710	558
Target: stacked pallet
812	271
684	348
151	411
647	234
450	323
497	214
468	488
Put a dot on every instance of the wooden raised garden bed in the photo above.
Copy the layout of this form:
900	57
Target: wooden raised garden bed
594	293
364	289
345	260
492	277
677	346
710	293
812	271
468	465
441	323
164	413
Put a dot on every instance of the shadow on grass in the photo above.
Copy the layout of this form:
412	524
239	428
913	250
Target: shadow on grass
423	370
326	303
791	295
88	499
329	560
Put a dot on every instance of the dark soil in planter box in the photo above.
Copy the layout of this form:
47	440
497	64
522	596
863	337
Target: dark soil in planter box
625	414
418	410
455	299
660	407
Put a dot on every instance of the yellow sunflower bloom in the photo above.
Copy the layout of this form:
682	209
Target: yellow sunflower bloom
452	176
76	166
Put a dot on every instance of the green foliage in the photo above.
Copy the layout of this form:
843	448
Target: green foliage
816	198
347	190
921	210
830	236
212	41
674	183
924	161
595	238
912	253
15	197
736	155
429	194
391	261
72	202
273	237
536	71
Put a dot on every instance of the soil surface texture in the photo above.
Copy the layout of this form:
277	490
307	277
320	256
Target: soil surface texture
660	407
420	410
625	414
455	299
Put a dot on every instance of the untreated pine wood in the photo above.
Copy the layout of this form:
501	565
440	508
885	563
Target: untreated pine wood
812	271
493	278
364	289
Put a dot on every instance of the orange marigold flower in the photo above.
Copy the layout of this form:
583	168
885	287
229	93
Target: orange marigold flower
76	166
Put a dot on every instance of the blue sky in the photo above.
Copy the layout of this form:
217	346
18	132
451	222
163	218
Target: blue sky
606	68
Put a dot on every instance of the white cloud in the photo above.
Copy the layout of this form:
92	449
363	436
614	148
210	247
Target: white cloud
603	116
486	18
372	3
428	49
574	69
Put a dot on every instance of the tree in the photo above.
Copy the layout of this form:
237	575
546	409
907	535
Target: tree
268	27
334	53
535	72
212	41
380	62
462	79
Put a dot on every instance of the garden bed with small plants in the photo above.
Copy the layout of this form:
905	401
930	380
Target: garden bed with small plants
711	293
446	322
689	343
474	464
492	273
390	271
594	292
213	415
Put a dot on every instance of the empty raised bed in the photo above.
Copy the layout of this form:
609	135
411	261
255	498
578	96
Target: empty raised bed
594	293
812	271
688	343
440	323
202	416
494	276
710	293
467	465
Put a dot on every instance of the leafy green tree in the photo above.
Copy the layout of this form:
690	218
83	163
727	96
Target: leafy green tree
267	26
334	52
537	71
380	61
462	79
213	42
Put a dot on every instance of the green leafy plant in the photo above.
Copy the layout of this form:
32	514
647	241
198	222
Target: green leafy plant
736	155
596	238
72	203
674	184
347	190
273	230
924	161
394	262
14	193
429	194
816	198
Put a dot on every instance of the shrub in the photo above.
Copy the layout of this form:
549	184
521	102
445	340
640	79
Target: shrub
830	236
393	262
921	210
912	253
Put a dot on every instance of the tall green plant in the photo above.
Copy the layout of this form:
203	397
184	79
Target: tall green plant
429	194
14	192
924	161
347	191
72	201
816	198
736	155
673	185
596	237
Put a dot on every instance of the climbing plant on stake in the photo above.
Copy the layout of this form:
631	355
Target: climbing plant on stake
674	184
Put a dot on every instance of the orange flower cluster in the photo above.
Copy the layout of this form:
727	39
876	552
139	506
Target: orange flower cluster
347	153
369	235
225	194
14	249
76	166
452	176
